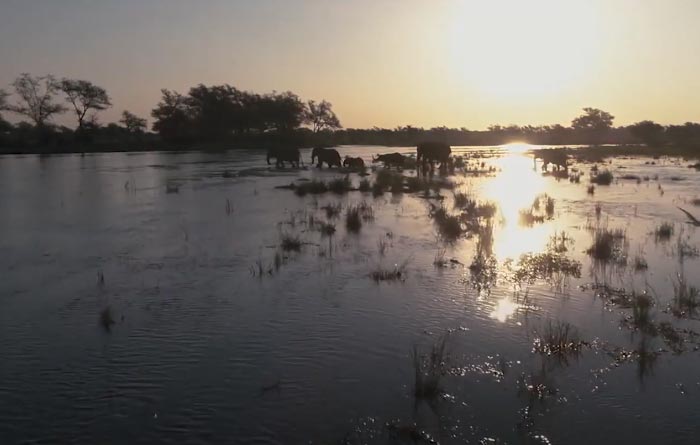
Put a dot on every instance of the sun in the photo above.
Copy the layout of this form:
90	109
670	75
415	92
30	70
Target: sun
538	49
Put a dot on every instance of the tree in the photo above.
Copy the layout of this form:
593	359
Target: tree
133	123
3	99
649	132
36	98
173	117
321	116
84	96
593	119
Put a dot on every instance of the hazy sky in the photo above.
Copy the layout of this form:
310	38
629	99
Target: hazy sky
386	63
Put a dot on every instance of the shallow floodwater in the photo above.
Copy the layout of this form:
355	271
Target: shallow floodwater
221	336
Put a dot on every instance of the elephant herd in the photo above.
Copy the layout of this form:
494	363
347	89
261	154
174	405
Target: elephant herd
427	153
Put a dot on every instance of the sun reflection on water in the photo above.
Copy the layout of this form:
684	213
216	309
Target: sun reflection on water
504	310
514	189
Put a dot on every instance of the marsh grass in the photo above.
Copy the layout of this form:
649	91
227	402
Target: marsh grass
340	186
640	263
333	210
398	273
552	267
608	245
663	232
448	225
290	243
314	187
542	209
439	260
327	229
641	309
684	249
365	185
107	318
355	215
229	207
604	177
428	371
385	178
382	245
558	339
686	298
461	200
260	269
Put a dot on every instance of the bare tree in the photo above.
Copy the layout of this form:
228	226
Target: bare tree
36	98
321	116
84	96
132	122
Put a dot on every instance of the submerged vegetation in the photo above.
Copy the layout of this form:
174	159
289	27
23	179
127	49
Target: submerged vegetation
428	371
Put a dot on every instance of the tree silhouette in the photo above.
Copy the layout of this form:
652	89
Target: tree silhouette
593	119
649	132
321	116
133	123
84	96
3	99
36	98
173	117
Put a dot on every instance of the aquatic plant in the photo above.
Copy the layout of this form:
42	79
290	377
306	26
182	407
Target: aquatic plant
385	178
355	215
641	306
552	267
439	260
398	273
461	200
313	187
685	297
327	229
340	186
382	245
365	185
558	339
332	210
107	318
664	231
428	370
608	245
604	177
290	242
448	225
640	263
172	187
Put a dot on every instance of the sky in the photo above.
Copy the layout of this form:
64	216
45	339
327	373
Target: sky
460	63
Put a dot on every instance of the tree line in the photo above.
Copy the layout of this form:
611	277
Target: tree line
223	116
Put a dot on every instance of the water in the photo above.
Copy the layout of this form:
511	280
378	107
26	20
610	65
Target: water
204	350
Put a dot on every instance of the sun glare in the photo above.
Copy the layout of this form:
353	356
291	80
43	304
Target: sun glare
514	189
531	53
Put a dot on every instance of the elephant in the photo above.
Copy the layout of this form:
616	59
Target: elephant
282	155
429	152
389	159
328	155
355	163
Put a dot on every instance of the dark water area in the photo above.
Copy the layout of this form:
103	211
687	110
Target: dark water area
222	336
